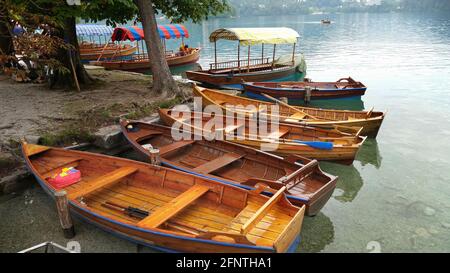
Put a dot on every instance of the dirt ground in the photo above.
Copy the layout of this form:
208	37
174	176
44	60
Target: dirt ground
61	116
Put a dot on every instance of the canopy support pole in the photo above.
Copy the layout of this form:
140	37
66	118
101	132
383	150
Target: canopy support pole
262	53
215	55
239	56
293	54
248	60
273	56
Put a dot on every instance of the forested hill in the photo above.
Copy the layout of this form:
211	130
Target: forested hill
292	7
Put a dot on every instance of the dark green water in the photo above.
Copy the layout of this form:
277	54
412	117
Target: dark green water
396	196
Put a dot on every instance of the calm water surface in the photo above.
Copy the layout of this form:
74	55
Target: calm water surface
396	196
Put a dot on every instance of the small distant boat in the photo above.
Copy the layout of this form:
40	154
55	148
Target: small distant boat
325	21
310	142
168	209
324	118
235	164
231	73
342	88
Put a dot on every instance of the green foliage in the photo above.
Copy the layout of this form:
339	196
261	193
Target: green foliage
194	10
66	136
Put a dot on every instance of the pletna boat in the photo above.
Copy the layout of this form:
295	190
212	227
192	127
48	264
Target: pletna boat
231	73
370	120
165	208
95	44
226	162
342	88
278	138
140	61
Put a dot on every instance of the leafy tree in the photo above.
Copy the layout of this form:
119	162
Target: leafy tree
177	11
61	20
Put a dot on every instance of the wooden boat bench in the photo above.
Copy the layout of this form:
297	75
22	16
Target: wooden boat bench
103	181
262	211
173	207
276	135
218	163
295	117
174	146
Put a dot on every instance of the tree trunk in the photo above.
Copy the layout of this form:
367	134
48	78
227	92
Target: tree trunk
6	42
163	82
66	56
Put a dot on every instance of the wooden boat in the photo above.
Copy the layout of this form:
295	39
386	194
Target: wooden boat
235	164
92	52
142	64
309	142
168	209
230	74
342	88
324	118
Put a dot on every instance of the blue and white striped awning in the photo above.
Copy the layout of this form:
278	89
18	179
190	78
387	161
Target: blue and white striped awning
94	30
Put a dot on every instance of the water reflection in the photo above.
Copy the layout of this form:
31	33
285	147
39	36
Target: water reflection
370	153
317	233
349	183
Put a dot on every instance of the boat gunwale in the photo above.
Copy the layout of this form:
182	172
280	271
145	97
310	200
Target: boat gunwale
51	190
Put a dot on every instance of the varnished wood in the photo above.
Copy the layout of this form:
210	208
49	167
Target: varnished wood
103	181
167	211
186	212
252	164
345	146
343	88
370	121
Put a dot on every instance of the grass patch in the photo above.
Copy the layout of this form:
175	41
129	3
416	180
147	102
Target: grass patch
66	136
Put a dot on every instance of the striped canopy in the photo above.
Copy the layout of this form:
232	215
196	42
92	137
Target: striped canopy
253	36
94	30
135	33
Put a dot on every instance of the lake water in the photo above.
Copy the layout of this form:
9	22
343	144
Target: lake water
396	196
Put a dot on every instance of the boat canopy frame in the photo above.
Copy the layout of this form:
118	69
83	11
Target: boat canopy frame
253	36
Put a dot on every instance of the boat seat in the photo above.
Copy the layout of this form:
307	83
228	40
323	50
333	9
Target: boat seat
230	128
218	163
174	206
278	134
103	181
174	146
295	117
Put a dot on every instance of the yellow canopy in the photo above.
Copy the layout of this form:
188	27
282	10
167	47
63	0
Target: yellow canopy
253	36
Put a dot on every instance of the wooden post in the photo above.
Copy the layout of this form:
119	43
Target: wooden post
248	60
62	206
273	56
154	157
307	94
215	54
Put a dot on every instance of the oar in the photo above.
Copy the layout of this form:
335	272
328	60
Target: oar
322	145
288	106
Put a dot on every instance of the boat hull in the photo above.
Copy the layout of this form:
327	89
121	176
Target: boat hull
255	91
235	80
158	238
313	202
370	122
343	154
144	66
88	55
